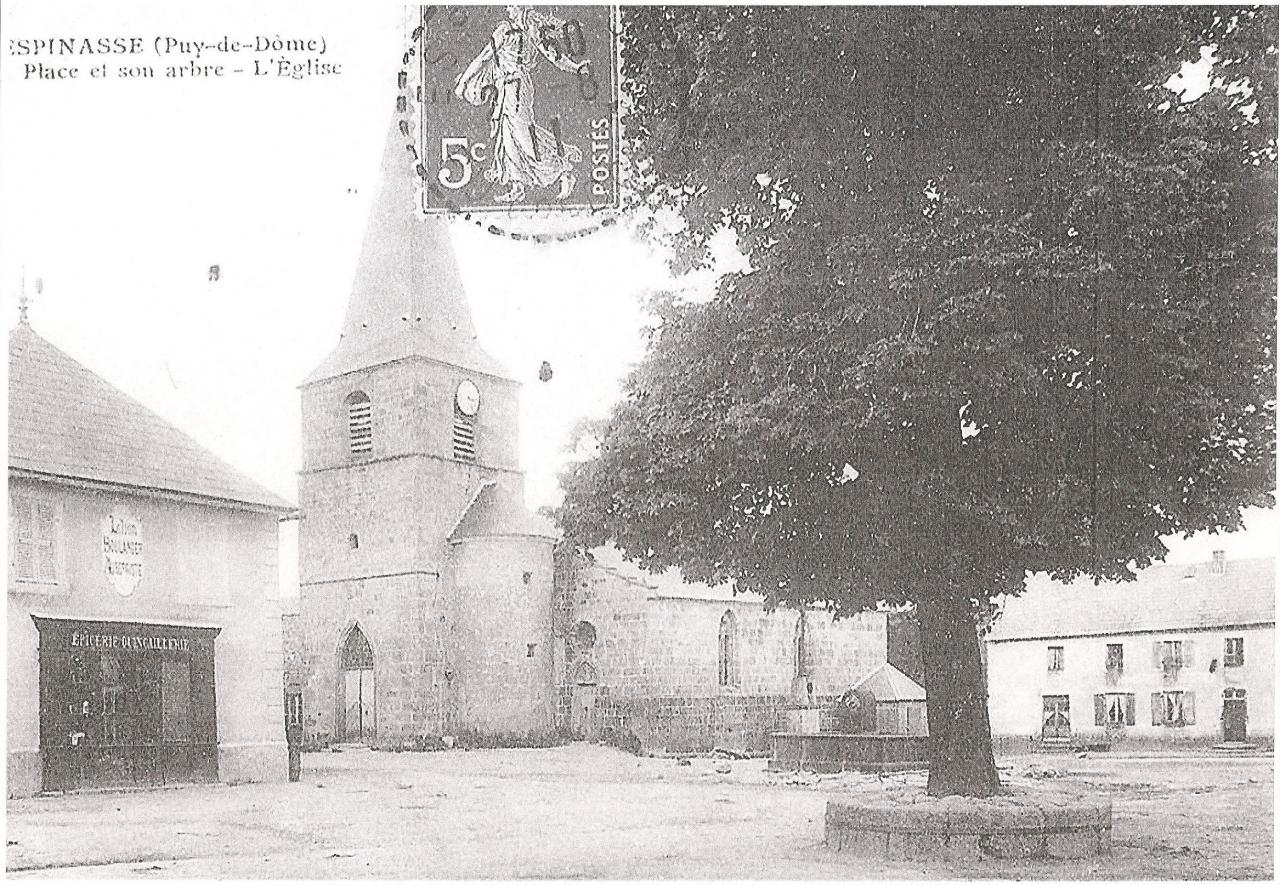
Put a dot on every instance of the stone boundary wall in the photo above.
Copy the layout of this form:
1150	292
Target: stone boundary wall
677	724
1017	824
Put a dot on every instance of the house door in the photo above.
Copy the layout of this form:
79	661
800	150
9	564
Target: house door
1057	716
1235	715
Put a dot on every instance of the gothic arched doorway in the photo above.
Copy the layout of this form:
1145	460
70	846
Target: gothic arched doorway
355	665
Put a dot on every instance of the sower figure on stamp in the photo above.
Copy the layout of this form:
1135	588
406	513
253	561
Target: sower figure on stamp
524	153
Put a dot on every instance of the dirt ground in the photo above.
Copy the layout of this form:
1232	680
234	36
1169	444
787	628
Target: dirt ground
585	811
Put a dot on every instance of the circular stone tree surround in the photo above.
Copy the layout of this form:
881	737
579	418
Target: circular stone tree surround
1021	822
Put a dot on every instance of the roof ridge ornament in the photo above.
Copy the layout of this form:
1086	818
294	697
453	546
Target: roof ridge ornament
24	303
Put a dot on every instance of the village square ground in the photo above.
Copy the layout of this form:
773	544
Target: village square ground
587	811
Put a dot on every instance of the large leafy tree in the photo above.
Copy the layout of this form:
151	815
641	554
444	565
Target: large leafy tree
1012	309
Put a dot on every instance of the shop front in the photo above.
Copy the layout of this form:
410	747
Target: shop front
126	704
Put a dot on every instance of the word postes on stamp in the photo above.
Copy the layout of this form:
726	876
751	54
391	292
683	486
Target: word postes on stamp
518	108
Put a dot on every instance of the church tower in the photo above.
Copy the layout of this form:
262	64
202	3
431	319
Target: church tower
425	597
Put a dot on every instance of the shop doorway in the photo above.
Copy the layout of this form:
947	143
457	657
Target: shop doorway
1235	715
359	724
124	705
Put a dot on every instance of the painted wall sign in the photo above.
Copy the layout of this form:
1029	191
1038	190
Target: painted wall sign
122	551
127	642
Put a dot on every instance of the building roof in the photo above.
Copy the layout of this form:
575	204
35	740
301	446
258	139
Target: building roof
65	421
668	583
494	512
407	299
1161	599
888	683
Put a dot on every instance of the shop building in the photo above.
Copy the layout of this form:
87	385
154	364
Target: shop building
143	615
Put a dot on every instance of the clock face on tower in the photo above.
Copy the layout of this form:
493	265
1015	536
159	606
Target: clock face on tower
468	398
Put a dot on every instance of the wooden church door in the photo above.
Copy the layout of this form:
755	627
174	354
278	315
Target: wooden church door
359	720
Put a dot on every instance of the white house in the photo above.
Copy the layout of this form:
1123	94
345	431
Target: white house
1183	654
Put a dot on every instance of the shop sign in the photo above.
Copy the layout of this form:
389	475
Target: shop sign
122	551
129	642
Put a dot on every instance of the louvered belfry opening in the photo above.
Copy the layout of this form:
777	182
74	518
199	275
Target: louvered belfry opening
464	436
360	423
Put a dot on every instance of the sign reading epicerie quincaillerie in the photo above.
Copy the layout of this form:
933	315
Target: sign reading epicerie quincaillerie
519	107
122	551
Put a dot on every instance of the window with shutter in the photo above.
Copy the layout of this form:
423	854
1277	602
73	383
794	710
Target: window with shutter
1113	710
23	532
34	532
1173	708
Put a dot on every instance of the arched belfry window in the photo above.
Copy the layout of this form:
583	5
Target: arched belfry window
357	654
727	659
359	423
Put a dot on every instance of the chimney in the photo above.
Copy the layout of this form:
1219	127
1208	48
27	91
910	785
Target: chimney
1219	566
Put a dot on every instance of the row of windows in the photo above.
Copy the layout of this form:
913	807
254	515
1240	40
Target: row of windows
1168	708
360	429
727	669
1166	654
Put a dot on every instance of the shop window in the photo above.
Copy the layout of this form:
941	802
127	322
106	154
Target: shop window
359	424
727	664
175	701
1114	710
1173	708
1056	659
1234	654
34	534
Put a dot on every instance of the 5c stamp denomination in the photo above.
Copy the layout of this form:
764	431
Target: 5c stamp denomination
519	108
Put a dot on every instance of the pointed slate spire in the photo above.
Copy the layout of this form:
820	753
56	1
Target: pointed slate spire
407	298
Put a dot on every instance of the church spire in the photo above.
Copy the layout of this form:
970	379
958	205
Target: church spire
407	298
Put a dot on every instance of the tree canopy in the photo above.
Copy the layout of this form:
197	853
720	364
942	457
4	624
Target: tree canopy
1012	306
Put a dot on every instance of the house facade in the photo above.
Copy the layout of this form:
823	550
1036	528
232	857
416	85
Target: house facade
1183	655
143	638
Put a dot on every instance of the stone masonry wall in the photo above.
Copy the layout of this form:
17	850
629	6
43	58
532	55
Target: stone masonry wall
655	658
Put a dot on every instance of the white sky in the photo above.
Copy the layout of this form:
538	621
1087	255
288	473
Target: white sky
121	194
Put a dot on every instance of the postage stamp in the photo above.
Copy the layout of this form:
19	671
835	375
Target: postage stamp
518	108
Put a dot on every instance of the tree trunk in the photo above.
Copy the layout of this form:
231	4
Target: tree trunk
961	761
